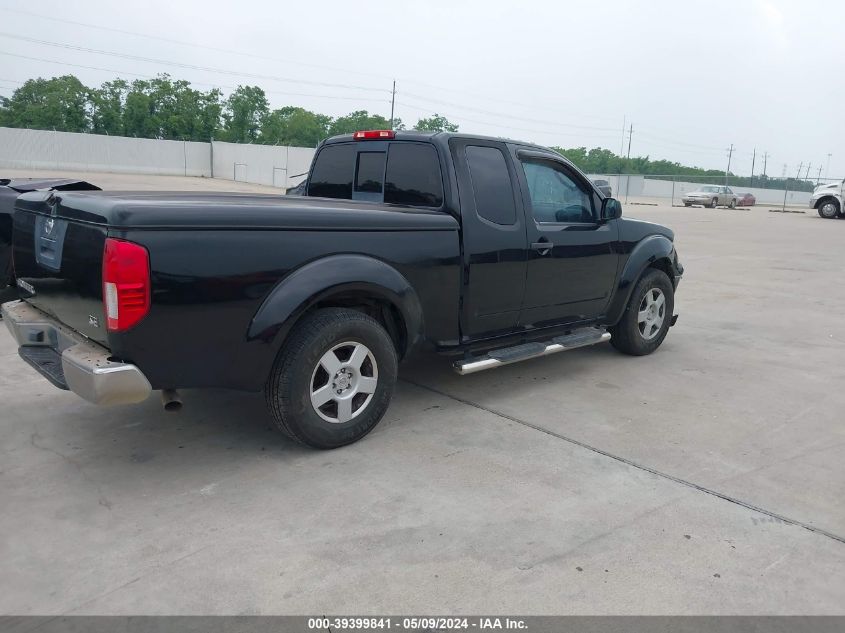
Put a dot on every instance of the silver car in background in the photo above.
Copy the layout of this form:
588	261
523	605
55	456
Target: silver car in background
711	196
603	186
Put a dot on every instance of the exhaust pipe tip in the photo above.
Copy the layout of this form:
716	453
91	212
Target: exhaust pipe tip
171	400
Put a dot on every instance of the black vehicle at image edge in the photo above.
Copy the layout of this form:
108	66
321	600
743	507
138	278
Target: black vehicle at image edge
10	189
488	250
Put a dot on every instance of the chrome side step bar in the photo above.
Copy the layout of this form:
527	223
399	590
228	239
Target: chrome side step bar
508	355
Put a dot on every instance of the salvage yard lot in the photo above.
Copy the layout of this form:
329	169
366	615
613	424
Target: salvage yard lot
706	478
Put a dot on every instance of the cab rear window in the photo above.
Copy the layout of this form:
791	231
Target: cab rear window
413	175
407	174
332	173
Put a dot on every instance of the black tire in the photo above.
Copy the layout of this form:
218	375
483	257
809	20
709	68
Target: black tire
732	205
626	336
829	209
298	368
713	203
687	204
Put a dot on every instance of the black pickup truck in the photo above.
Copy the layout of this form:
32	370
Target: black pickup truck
488	250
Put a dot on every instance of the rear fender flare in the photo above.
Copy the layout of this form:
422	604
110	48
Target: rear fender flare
319	280
645	253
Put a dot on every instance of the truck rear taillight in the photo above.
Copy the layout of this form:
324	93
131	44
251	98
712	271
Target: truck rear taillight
372	135
126	284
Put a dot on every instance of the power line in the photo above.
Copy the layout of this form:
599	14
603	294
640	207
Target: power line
674	142
504	114
199	83
532	106
455	117
153	60
432	100
191	44
291	80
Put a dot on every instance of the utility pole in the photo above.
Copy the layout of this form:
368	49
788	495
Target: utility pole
765	162
819	177
827	169
753	159
730	154
807	175
630	134
622	147
392	102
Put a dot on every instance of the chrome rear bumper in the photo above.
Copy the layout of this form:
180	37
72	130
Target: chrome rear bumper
85	366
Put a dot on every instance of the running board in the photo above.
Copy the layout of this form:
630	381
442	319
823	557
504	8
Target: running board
508	355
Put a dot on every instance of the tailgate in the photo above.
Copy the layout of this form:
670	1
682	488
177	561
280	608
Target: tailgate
58	261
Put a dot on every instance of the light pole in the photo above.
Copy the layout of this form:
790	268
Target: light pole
827	169
727	171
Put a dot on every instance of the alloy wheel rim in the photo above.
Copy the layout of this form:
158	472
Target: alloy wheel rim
651	313
343	382
828	209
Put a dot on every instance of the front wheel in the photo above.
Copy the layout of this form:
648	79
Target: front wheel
829	210
647	317
713	203
333	379
733	203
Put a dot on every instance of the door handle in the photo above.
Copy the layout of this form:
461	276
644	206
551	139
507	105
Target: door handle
543	247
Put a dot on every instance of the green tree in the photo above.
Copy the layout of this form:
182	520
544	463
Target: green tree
361	120
138	117
106	105
295	126
244	113
436	123
59	103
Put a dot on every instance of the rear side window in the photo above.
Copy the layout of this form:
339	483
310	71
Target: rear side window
370	174
491	184
332	173
413	175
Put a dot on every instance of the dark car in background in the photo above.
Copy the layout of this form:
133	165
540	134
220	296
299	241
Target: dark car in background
10	189
603	186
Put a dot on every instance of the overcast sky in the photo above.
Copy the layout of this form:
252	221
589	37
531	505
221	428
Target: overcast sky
692	77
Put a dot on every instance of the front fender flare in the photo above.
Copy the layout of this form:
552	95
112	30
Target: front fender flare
649	250
320	279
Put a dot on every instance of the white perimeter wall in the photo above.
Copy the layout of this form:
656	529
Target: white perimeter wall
271	165
650	188
39	149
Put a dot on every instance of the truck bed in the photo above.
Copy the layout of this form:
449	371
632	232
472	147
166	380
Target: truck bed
214	259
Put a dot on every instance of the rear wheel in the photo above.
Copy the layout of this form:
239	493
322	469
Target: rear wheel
713	203
733	203
647	317
829	209
333	379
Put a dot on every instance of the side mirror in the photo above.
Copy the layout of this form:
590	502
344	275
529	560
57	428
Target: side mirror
611	209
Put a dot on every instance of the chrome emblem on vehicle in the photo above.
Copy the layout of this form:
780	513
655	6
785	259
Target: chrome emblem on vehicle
26	286
48	225
93	321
